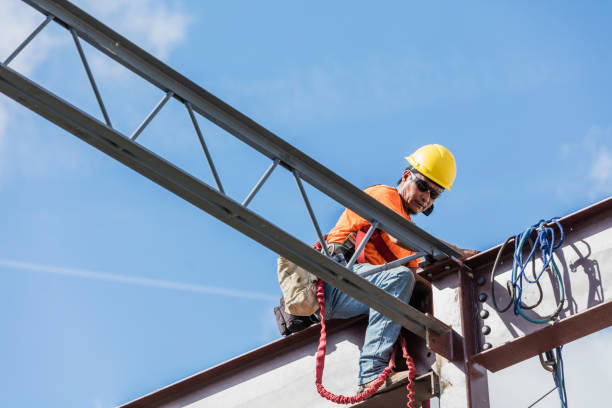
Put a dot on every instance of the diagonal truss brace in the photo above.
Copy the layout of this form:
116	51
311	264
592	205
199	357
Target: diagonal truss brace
145	162
132	154
242	127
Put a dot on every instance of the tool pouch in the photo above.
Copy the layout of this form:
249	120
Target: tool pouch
298	287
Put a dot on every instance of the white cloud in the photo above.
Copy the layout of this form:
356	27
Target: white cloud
590	158
102	66
601	170
390	86
565	150
133	280
18	21
157	25
597	144
154	25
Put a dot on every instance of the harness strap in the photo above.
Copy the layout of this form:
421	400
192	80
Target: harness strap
320	364
318	246
379	244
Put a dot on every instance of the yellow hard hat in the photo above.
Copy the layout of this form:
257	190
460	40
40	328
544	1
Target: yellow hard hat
435	162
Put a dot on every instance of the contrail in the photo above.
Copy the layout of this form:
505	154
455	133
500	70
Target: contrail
131	280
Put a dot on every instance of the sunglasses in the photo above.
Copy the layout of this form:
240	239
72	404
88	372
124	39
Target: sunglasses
424	186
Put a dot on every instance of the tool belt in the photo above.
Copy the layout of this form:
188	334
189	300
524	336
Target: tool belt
298	306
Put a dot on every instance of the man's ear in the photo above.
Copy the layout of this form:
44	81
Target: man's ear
406	175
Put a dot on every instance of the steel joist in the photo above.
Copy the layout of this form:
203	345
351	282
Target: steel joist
174	85
161	75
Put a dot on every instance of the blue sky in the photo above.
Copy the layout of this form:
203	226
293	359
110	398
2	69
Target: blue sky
113	287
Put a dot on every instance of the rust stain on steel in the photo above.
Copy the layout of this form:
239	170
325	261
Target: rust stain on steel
569	329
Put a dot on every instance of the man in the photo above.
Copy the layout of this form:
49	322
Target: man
432	170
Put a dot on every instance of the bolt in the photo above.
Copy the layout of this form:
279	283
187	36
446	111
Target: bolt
483	314
486	346
482	297
480	280
486	330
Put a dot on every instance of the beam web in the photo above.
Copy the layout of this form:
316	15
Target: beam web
151	115
311	213
261	182
204	147
90	76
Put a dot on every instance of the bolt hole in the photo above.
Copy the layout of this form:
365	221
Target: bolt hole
429	354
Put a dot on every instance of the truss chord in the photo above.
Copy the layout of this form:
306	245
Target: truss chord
392	264
311	213
90	76
151	115
362	245
261	182
208	199
28	39
239	125
204	147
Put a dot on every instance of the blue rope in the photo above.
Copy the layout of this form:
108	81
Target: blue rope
559	376
545	241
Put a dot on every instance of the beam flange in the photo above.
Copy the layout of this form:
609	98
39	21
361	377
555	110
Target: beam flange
562	332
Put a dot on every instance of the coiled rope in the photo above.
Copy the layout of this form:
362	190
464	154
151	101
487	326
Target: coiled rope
545	242
342	399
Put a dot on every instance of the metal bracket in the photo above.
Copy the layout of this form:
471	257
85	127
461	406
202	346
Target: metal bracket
449	344
427	386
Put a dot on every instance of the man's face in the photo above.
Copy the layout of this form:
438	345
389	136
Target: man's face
415	200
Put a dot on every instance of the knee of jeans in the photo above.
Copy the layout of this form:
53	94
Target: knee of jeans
401	273
403	279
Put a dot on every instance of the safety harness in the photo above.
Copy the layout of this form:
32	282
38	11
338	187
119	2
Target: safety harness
353	241
379	244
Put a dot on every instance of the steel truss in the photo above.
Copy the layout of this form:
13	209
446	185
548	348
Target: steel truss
125	149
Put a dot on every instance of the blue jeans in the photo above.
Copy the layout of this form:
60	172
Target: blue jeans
382	332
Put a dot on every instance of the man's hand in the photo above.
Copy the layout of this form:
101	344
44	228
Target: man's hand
468	252
465	252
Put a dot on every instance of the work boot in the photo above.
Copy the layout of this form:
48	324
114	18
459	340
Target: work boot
395	379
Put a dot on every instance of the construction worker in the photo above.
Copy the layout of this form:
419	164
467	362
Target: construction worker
431	171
